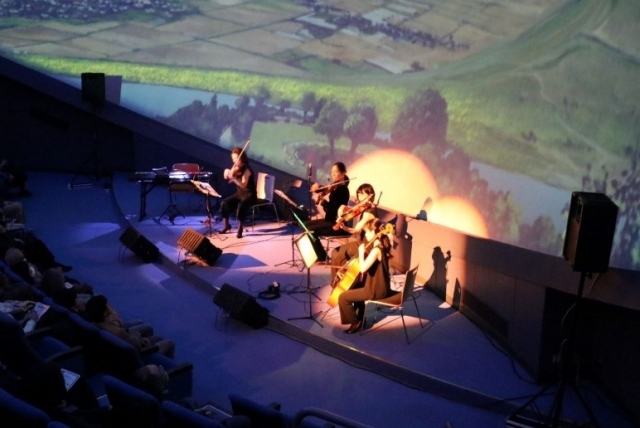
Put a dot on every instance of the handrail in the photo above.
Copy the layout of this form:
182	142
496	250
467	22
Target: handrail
326	416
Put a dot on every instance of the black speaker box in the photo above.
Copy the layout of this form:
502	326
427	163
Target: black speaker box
199	245
208	252
242	306
93	87
139	245
590	230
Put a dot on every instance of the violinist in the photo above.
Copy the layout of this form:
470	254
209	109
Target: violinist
242	176
365	210
331	198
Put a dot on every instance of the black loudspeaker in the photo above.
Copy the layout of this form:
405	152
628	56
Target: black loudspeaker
93	88
199	245
241	305
590	230
139	245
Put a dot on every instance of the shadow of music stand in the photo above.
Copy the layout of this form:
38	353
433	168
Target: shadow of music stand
294	218
208	191
309	257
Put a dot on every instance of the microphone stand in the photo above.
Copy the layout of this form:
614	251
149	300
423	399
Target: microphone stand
309	174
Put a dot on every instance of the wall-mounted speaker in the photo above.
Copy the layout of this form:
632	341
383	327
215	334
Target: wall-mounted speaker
93	87
242	306
198	244
590	230
139	245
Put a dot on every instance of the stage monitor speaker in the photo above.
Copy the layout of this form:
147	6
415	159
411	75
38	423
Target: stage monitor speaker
590	230
93	88
242	306
200	246
139	245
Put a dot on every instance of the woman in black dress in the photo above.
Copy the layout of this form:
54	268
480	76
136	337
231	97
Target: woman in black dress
242	176
330	197
373	265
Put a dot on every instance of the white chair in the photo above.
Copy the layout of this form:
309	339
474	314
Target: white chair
396	300
265	184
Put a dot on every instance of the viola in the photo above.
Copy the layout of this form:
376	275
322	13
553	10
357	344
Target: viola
319	193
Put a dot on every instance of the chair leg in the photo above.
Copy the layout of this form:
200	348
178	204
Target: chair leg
417	311
253	217
404	325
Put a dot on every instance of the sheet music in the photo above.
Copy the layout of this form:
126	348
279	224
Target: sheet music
285	197
205	188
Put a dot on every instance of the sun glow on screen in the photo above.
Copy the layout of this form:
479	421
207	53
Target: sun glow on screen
404	184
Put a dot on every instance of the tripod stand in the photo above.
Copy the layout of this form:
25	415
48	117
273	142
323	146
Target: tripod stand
207	190
568	373
309	256
292	206
99	169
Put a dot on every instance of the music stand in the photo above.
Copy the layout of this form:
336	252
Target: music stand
309	257
208	191
292	206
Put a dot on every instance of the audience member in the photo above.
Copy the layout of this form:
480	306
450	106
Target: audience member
54	279
102	314
14	290
21	266
14	177
34	249
43	386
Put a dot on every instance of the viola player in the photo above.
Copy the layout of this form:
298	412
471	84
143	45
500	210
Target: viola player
331	198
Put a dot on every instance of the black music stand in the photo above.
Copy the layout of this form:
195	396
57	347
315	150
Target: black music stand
100	168
292	206
208	191
309	257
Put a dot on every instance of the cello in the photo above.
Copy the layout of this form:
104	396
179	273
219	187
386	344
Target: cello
352	270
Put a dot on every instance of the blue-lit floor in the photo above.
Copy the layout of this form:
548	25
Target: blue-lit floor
451	372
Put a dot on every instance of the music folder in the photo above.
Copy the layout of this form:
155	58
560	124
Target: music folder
205	188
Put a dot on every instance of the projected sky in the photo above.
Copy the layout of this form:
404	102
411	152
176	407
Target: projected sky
486	116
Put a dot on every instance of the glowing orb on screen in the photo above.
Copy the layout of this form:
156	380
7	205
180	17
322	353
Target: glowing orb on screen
458	214
401	180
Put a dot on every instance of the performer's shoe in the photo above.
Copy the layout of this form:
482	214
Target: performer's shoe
239	234
353	327
225	229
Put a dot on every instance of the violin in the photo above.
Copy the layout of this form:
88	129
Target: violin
321	192
349	213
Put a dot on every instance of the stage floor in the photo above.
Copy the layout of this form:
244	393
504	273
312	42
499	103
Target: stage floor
448	358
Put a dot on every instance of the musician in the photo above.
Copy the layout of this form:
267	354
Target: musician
242	176
373	257
332	197
365	196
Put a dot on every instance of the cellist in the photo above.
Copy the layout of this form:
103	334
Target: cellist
365	210
375	283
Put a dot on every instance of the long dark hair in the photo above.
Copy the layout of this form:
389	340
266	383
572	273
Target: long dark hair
368	190
242	156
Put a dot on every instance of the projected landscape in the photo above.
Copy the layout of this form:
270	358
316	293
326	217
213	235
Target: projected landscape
501	108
